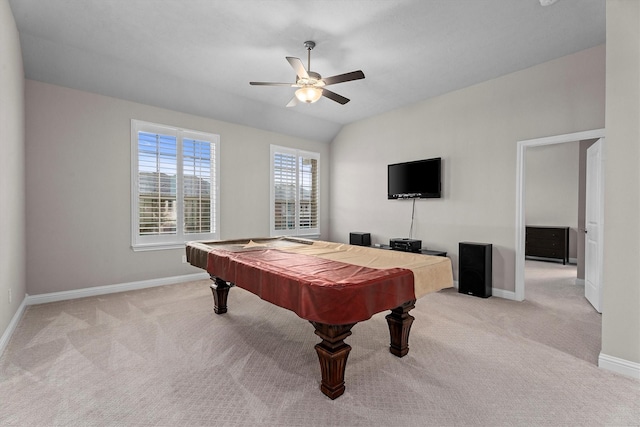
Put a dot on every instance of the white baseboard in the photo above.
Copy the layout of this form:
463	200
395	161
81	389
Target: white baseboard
580	282
621	366
6	336
498	293
112	289
501	293
571	261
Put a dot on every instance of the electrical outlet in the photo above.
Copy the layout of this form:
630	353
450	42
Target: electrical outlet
10	296
184	259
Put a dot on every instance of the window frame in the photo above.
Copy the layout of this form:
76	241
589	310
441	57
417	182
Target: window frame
311	233
177	240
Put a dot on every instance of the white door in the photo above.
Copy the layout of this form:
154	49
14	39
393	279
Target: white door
594	219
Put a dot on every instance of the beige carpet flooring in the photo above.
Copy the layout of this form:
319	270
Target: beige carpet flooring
161	357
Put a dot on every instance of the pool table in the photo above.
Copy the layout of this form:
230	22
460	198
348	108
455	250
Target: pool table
332	285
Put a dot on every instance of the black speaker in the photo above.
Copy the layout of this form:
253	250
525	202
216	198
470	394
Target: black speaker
360	239
474	269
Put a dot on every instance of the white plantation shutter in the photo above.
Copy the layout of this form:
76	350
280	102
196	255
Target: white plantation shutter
157	168
174	186
284	183
198	158
308	193
294	192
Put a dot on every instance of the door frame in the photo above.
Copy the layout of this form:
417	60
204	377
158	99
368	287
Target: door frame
520	192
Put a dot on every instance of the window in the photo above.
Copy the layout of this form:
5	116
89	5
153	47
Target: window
294	192
174	186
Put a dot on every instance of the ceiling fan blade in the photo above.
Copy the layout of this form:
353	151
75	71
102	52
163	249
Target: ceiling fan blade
354	75
298	67
293	102
334	96
271	84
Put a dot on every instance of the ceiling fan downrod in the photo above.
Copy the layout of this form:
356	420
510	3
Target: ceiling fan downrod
309	45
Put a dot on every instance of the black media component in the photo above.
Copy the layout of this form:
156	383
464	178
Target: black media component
404	244
433	253
360	239
475	269
420	179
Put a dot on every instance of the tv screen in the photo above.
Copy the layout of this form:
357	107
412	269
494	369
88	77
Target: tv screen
411	180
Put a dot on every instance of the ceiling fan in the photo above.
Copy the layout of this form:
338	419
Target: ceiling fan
311	84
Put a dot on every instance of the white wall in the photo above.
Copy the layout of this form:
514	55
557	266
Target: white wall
621	299
475	131
551	188
12	224
78	187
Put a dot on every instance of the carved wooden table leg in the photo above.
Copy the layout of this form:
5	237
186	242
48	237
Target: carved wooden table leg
220	290
400	321
332	353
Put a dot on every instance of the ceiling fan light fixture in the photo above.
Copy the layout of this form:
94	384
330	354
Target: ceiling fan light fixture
309	94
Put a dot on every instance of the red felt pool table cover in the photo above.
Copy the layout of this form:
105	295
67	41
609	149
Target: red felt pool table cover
326	282
316	289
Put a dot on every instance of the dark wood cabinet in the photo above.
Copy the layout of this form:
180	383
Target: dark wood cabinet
547	242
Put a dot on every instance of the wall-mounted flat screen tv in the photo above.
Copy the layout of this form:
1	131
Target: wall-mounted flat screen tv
419	179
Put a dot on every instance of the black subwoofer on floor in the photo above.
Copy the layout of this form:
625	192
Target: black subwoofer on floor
474	269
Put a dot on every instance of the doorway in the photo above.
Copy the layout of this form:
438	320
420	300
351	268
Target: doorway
520	195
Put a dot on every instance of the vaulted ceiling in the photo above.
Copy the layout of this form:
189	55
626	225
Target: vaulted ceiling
198	56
